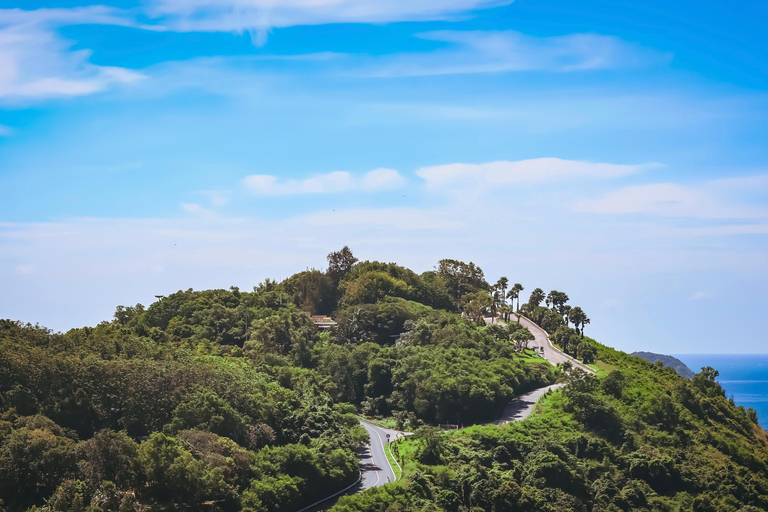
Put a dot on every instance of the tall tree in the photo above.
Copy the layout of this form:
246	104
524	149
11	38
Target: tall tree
557	300
535	299
461	278
502	285
514	293
474	304
496	302
339	263
579	319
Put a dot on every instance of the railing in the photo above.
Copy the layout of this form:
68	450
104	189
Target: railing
359	477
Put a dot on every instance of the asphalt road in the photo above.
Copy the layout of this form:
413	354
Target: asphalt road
373	461
522	406
541	339
374	465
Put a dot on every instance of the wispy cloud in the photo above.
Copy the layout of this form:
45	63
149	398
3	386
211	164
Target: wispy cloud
700	295
217	197
524	171
37	63
261	15
382	179
712	231
507	51
196	209
718	199
330	183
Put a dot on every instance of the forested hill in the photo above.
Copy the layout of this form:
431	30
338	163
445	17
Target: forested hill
231	400
673	362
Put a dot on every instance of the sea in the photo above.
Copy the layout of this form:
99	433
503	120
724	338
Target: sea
744	377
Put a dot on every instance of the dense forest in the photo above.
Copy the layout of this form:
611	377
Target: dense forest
231	400
226	399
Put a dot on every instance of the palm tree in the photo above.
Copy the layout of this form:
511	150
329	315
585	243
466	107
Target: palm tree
495	302
513	294
579	318
517	288
502	284
557	300
536	297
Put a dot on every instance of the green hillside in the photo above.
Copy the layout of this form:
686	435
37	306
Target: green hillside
230	400
636	437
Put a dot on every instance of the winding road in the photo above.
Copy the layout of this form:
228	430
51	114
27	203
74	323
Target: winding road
522	406
374	465
375	469
373	462
541	339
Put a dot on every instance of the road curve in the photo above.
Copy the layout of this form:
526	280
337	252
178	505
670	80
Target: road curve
373	461
374	467
541	339
522	406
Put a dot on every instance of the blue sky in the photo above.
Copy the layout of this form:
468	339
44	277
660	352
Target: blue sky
611	149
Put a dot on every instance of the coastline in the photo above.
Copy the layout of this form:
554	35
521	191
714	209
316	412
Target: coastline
744	377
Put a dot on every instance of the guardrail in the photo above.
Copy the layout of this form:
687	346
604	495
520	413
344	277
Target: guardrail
395	458
359	477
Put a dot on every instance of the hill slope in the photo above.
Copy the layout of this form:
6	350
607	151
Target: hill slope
673	362
228	400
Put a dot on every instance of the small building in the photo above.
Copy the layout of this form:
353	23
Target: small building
322	322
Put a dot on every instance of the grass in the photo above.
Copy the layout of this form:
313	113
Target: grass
392	462
530	356
602	367
407	448
388	422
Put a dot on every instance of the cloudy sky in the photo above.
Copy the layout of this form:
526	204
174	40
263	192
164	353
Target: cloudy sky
615	150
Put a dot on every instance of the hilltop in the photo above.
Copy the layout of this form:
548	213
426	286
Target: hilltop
673	362
236	400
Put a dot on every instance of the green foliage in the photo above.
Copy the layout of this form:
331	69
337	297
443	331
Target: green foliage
205	410
312	291
461	278
110	387
441	369
232	400
35	456
371	281
637	438
110	456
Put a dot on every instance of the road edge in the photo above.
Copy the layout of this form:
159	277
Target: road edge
359	477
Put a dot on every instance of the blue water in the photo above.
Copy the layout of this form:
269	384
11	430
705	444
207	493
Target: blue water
744	378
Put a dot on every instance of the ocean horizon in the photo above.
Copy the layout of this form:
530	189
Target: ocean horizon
744	377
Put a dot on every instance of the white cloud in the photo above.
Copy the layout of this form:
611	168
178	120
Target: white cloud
382	179
710	231
507	51
700	295
37	63
523	171
711	200
398	218
217	197
262	15
195	209
269	185
330	183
